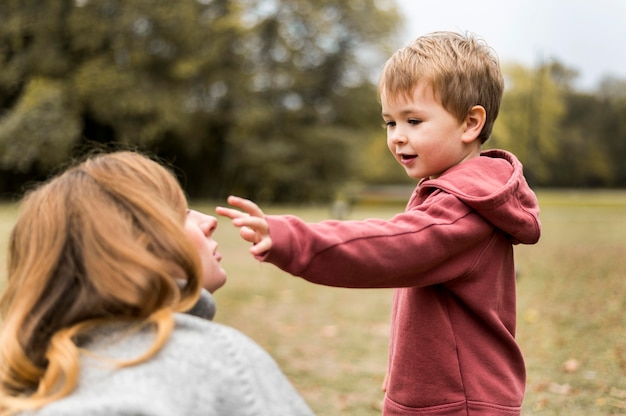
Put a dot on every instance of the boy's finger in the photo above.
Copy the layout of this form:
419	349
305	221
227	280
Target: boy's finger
249	234
230	213
258	224
246	205
261	247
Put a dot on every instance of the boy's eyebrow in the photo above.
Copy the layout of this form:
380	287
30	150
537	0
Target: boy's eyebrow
403	112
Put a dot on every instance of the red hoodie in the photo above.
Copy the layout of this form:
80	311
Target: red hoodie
449	257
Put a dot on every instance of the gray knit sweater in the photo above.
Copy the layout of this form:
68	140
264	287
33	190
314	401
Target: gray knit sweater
204	369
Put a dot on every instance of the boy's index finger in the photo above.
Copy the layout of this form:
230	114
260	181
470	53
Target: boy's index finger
229	212
246	205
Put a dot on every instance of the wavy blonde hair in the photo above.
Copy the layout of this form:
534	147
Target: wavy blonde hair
462	70
103	241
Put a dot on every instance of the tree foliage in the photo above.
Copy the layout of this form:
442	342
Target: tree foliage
564	138
240	95
270	99
529	120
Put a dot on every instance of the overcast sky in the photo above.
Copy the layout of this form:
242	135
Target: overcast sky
586	35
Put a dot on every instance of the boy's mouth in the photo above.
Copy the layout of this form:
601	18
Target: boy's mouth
406	159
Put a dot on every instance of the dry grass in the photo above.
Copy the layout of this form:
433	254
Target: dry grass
332	343
572	306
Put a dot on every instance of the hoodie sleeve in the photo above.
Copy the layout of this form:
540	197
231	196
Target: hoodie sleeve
430	243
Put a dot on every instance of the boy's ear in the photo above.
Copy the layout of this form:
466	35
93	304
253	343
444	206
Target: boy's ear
474	122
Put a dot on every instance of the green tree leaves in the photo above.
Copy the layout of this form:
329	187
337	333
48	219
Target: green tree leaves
239	94
42	128
530	117
272	99
564	138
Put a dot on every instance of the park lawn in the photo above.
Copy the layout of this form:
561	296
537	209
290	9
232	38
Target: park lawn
332	343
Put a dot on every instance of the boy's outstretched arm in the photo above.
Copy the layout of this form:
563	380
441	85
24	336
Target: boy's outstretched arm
251	222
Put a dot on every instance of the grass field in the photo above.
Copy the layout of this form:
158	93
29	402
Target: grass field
332	343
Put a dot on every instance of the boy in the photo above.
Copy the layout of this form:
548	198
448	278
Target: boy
449	256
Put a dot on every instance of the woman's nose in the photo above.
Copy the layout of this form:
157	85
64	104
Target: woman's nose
208	225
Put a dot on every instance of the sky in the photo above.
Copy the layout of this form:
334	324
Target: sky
585	35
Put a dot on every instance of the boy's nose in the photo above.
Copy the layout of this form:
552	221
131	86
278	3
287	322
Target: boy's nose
398	136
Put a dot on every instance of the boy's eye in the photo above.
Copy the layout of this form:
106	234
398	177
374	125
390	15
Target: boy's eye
414	121
389	124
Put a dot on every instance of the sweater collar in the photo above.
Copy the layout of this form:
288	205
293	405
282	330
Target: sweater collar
205	307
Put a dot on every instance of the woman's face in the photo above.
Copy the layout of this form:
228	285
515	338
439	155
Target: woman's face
199	228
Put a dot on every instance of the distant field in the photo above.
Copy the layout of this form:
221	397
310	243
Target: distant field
332	343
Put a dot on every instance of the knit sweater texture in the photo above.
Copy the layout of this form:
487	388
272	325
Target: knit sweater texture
204	368
449	258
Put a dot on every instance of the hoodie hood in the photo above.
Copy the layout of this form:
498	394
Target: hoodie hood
494	186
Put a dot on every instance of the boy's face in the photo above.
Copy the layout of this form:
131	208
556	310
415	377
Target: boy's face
423	136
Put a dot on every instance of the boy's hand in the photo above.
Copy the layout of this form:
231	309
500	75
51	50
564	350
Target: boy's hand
251	222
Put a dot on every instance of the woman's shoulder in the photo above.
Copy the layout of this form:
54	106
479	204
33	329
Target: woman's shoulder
191	331
204	368
213	342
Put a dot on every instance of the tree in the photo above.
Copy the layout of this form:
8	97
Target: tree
233	92
305	118
564	138
530	117
611	128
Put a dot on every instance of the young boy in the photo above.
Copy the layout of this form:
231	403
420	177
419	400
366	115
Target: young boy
449	256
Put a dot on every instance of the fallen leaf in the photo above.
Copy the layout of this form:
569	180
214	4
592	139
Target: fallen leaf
531	315
329	331
571	365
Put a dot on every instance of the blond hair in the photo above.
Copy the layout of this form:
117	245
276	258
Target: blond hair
104	241
462	70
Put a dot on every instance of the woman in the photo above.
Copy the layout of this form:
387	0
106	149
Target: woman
104	261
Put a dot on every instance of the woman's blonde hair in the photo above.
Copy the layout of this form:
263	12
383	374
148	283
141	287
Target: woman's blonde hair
103	241
462	70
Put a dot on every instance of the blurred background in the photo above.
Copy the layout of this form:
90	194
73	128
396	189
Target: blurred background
276	99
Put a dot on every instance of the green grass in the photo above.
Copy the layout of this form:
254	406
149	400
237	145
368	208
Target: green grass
332	343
